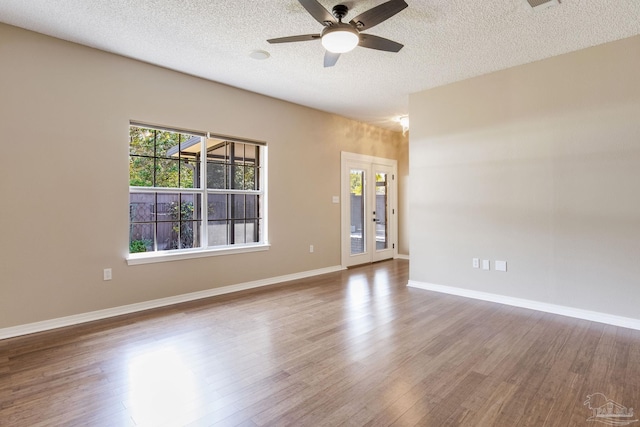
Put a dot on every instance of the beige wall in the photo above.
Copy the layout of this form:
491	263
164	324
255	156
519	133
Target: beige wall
538	165
64	112
403	200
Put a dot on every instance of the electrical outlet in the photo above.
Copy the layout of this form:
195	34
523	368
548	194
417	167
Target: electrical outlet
500	265
476	262
310	249
106	274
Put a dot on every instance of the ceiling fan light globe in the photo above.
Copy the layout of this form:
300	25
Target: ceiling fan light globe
340	40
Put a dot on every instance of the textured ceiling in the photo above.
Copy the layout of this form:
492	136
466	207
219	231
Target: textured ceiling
445	41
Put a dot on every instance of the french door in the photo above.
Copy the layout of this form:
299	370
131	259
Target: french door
369	225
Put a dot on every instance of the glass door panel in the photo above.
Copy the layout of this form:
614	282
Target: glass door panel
381	212
357	204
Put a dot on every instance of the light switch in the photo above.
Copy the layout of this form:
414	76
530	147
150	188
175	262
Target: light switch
500	265
486	264
336	199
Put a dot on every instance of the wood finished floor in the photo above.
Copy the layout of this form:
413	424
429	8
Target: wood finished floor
350	348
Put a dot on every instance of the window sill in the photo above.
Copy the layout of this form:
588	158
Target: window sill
165	256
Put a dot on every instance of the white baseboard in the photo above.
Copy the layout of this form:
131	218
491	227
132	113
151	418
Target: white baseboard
402	256
61	322
594	316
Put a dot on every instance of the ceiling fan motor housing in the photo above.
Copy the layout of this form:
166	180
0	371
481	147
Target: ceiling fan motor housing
340	11
339	27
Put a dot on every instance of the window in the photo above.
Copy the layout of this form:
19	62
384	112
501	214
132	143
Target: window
181	201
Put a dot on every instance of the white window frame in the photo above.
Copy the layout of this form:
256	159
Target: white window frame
204	250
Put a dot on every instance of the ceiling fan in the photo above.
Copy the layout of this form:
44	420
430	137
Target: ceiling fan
338	37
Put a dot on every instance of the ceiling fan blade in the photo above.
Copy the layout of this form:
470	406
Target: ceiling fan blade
378	14
318	11
330	59
379	43
302	38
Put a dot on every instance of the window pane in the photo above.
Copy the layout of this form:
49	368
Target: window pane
166	211
237	153
218	233
189	231
218	153
167	173
217	206
141	141
237	206
216	175
166	239
251	231
141	237
239	232
140	171
250	153
188	175
251	206
168	235
238	177
256	178
250	178
141	207
189	207
245	231
166	208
